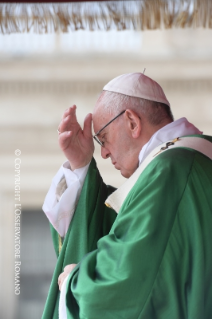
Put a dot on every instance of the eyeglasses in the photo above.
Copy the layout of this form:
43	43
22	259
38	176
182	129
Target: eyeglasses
95	136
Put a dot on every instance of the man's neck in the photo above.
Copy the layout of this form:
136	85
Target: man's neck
166	133
149	130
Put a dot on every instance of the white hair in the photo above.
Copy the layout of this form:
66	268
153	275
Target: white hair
155	112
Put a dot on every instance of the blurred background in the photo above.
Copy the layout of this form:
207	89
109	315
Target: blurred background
43	74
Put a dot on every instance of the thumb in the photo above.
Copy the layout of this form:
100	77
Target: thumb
87	126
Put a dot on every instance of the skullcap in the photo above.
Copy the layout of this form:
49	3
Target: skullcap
137	85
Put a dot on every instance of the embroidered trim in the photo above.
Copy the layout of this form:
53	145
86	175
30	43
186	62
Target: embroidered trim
60	243
167	146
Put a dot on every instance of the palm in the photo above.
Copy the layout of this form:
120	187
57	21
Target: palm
77	144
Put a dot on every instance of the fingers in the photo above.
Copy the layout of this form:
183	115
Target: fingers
87	125
61	279
69	268
68	111
68	120
72	114
64	274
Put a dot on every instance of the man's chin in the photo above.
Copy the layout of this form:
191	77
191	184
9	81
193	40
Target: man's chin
125	174
116	166
124	171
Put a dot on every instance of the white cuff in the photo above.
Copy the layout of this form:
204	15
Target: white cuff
62	302
78	174
60	213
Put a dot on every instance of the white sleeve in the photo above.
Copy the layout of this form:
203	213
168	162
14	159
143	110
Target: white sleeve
61	212
62	302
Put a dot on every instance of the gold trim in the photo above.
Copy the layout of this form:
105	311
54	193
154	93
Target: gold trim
107	205
167	145
60	243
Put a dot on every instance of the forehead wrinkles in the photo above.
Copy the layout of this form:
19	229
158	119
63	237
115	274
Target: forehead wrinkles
100	119
106	108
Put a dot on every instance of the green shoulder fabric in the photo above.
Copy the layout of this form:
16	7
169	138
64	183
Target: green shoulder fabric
156	261
92	220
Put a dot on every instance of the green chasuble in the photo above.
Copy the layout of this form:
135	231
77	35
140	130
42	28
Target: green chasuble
91	221
156	260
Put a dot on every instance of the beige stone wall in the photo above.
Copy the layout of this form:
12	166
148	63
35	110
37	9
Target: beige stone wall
32	105
35	91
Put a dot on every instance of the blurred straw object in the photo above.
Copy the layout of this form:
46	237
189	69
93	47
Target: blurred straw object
104	15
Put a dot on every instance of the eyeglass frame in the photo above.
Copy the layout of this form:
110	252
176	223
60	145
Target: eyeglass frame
95	136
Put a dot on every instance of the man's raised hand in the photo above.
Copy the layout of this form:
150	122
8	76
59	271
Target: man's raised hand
76	144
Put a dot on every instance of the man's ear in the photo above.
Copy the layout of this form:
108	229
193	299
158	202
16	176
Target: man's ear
133	123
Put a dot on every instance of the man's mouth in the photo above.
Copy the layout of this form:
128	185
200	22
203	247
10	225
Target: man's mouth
116	165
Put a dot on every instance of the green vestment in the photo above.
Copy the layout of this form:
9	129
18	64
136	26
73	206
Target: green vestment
92	220
156	261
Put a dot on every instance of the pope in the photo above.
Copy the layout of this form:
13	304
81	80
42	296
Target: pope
143	250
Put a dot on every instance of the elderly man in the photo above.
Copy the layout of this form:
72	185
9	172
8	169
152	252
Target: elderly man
146	253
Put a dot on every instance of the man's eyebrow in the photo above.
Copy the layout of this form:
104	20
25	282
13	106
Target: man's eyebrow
101	134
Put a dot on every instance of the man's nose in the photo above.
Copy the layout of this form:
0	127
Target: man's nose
104	152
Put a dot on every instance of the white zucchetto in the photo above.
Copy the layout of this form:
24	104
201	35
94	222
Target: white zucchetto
137	85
